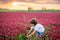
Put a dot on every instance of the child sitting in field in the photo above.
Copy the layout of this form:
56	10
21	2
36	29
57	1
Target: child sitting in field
37	28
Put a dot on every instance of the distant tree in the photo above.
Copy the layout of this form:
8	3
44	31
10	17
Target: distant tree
43	8
30	8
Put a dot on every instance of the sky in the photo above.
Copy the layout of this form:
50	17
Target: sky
37	4
36	1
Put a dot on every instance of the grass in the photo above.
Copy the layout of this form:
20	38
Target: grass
29	10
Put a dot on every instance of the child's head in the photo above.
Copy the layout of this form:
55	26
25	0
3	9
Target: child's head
33	22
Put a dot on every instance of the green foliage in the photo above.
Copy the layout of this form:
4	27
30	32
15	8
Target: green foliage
29	10
21	37
47	38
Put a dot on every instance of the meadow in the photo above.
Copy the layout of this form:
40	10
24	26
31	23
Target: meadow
15	24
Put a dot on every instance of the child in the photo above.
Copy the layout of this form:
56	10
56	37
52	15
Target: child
37	28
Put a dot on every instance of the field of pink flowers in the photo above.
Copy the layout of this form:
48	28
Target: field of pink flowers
12	24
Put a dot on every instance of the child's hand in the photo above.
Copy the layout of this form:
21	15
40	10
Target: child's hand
28	36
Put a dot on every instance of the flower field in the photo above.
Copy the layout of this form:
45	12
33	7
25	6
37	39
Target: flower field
13	24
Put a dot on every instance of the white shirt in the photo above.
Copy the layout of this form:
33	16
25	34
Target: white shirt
38	28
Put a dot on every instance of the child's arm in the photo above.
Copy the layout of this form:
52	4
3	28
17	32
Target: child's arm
31	34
